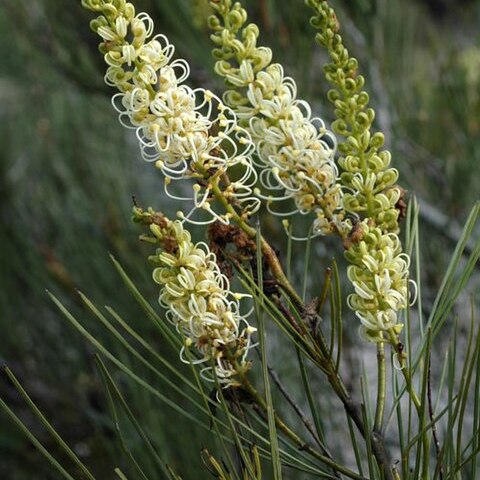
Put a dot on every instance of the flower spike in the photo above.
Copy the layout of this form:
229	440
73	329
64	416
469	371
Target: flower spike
198	301
187	133
378	272
369	181
379	269
294	150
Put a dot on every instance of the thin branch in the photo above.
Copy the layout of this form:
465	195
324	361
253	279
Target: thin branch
430	414
308	424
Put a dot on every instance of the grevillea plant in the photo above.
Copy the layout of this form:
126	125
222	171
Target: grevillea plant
225	160
365	189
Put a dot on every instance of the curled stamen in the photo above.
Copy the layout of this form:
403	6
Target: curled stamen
379	275
199	302
287	139
187	133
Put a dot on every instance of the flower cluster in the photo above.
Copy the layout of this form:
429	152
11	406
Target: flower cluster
188	133
369	182
379	269
294	150
379	275
198	301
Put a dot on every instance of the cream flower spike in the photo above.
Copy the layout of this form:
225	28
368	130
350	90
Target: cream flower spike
379	275
188	133
379	270
295	151
199	302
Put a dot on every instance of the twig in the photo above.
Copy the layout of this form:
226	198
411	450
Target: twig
301	444
291	401
434	426
288	315
381	388
299	412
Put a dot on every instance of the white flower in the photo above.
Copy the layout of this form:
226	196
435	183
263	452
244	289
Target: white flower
187	133
199	303
295	152
379	275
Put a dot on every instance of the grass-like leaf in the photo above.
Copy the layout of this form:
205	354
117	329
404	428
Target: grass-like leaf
277	467
36	443
115	392
39	415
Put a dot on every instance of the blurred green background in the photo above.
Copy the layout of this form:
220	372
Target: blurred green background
68	171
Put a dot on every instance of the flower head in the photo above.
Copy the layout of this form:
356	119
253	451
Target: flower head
198	301
188	133
379	275
370	189
378	269
294	149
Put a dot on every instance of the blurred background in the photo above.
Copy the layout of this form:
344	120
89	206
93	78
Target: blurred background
68	171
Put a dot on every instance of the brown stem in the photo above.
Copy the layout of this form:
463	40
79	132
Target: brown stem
434	426
301	444
268	252
354	411
352	408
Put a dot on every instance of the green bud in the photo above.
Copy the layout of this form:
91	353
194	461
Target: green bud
363	121
376	164
364	140
377	141
339	126
352	165
363	98
213	23
235	19
333	96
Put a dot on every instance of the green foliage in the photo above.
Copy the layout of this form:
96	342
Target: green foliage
67	176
